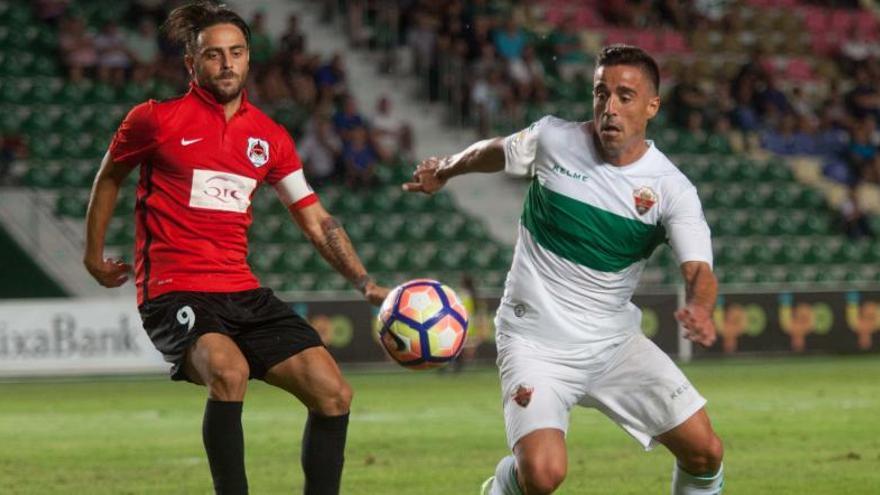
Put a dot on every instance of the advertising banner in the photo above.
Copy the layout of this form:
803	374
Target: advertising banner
844	321
63	336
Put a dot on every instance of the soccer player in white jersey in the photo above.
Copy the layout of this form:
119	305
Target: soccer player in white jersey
602	198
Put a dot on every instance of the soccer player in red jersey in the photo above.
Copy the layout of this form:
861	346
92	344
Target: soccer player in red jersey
202	157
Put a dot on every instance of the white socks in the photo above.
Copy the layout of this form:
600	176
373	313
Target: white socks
684	483
505	478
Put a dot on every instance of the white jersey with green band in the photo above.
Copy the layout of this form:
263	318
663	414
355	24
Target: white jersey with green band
586	231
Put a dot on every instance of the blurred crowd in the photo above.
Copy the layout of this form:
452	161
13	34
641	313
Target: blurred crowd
337	141
498	64
774	86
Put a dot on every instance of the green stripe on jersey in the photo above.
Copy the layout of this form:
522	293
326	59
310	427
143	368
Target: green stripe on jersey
585	234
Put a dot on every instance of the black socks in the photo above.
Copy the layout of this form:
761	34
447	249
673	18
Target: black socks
323	448
224	444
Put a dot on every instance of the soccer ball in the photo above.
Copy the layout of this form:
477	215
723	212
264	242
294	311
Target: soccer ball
423	324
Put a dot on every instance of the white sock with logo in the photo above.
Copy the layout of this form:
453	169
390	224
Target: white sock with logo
505	478
684	483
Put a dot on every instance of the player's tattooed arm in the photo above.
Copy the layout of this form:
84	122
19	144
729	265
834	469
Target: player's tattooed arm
701	290
331	240
431	174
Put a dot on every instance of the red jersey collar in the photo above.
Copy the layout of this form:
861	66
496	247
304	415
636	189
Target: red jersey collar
209	99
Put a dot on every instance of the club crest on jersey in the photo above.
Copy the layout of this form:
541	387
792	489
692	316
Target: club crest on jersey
645	198
258	151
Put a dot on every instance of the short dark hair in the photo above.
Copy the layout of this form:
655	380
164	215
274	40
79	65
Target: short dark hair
186	22
630	55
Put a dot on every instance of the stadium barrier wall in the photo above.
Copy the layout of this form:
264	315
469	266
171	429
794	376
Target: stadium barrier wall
86	337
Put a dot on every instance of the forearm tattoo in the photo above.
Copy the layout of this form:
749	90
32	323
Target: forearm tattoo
337	249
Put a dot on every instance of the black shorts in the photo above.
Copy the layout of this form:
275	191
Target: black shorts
266	329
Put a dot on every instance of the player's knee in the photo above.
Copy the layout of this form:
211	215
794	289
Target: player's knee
228	382
338	401
706	459
542	476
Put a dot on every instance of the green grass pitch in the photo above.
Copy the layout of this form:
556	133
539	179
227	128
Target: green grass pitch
791	426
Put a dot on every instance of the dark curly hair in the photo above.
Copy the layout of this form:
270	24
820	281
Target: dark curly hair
186	22
633	56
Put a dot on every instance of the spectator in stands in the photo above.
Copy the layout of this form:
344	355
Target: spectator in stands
320	150
835	104
853	218
113	57
272	86
527	72
303	90
348	118
77	47
510	41
687	97
354	23
771	99
422	38
143	48
791	137
486	94
51	11
11	148
331	75
392	136
487	62
360	159
744	115
292	40
801	104
862	154
864	99
261	47
570	57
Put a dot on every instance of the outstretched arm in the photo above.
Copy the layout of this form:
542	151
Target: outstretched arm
701	290
432	173
102	202
328	236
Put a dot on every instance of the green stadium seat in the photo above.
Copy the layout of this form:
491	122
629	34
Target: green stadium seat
451	256
351	203
293	260
265	229
852	252
41	175
390	258
120	232
819	253
359	227
332	282
762	254
755	197
391	228
448	227
75	93
44	65
791	253
732	254
289	234
72	203
818	224
262	259
417	226
777	171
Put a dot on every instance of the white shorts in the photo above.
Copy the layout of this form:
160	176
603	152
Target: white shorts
631	381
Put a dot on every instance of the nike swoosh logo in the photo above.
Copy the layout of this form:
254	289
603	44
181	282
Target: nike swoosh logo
187	142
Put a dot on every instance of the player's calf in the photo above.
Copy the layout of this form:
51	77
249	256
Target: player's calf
704	458
540	476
